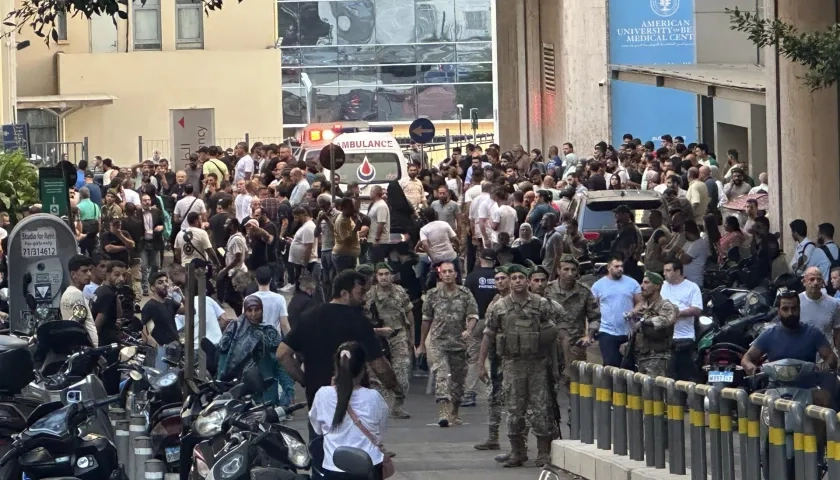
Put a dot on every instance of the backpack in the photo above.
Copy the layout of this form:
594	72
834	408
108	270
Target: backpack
835	262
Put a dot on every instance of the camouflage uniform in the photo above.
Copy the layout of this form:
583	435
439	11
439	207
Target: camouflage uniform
581	308
518	330
496	397
108	213
392	305
652	342
448	313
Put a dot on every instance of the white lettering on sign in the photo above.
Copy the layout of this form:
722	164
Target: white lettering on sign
366	144
42	242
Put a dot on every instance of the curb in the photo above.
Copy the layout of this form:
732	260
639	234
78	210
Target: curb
589	462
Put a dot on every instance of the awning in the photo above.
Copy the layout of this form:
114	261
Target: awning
63	103
743	83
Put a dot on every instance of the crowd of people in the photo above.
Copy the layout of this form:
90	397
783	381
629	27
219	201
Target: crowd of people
472	263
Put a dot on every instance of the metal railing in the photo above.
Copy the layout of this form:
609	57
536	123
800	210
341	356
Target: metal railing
644	418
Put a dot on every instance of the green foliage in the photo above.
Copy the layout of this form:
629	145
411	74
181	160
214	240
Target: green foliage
41	15
18	182
818	51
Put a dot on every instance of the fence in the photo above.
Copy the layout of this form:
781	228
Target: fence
643	418
147	147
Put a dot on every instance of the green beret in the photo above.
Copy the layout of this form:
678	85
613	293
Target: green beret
654	277
503	269
538	269
516	268
566	258
365	269
529	264
384	266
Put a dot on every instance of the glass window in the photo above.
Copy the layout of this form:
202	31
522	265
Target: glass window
396	54
474	52
288	24
475	72
435	20
146	25
312	28
473	19
396	104
294	105
478	96
357	55
357	103
325	106
190	24
317	56
435	53
349	76
398	74
61	25
290	77
291	57
437	102
395	22
444	73
354	21
326	77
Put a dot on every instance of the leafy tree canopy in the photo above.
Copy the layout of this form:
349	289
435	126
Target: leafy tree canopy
818	51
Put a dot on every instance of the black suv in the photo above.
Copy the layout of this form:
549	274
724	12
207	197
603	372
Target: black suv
593	211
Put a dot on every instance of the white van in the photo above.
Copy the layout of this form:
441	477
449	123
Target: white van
372	158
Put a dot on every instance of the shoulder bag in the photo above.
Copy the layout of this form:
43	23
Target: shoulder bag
387	464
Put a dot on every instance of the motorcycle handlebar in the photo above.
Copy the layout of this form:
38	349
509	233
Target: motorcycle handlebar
102	350
294	408
9	455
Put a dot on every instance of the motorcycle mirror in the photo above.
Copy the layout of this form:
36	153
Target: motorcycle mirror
704	321
354	461
4	294
135	375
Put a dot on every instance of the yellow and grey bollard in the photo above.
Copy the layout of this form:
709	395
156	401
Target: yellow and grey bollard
754	451
713	394
676	422
635	418
832	449
777	460
574	400
697	429
660	422
811	464
650	425
742	401
587	422
603	403
727	443
619	403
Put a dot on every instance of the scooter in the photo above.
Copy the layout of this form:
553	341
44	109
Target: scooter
51	446
16	371
722	349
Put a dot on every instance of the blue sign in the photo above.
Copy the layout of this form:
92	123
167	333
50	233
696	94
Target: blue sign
652	32
422	130
16	137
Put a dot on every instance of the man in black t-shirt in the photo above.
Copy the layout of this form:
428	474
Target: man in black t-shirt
482	284
262	238
107	310
117	243
158	316
218	233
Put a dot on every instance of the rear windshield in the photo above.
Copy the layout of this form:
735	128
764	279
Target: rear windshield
381	167
600	216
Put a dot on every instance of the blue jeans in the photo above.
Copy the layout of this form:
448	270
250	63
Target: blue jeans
327	267
609	345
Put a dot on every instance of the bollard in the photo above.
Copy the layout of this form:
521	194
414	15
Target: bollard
660	423
742	405
574	400
650	425
603	403
832	451
754	453
676	422
116	414
713	394
795	412
810	466
776	442
587	426
142	452
727	445
136	428
619	403
121	442
155	469
635	418
697	415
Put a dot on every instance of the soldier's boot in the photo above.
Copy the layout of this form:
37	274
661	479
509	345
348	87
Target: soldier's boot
543	451
492	442
444	411
398	411
518	453
454	419
504	457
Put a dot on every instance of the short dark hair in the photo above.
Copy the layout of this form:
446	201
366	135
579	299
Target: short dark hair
346	281
799	226
615	256
115	264
690	226
188	189
154	277
675	264
263	275
826	229
732	153
301	211
76	262
192	217
703	146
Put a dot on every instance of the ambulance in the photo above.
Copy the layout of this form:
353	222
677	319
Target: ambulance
316	136
372	157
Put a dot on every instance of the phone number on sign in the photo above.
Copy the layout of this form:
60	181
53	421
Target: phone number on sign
28	252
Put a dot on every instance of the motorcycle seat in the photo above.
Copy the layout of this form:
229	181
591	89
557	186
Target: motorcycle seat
8	343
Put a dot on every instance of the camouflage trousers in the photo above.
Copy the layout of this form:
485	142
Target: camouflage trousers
571	352
450	371
527	395
473	347
653	364
400	362
497	394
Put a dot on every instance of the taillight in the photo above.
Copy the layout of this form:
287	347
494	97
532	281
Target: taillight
315	135
591	236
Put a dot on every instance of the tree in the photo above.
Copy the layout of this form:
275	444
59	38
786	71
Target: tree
818	51
18	183
41	15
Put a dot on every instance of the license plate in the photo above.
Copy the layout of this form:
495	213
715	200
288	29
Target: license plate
721	377
173	454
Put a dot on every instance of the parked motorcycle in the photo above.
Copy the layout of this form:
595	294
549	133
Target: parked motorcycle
16	371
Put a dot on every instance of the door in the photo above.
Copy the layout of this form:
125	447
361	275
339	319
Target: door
103	34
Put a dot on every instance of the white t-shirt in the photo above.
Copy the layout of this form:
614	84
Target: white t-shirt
73	298
304	235
823	314
485	215
472	193
242	203
236	244
372	411
200	244
684	295
505	216
132	197
379	213
616	299
274	307
660	189
438	233
187	205
243	165
698	250
212	330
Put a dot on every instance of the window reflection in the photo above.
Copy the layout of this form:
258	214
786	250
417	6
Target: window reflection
313	30
353	21
473	19
395	22
317	56
436	52
396	104
348	76
437	73
478	96
475	72
437	102
359	103
435	20
288	21
356	55
294	105
474	52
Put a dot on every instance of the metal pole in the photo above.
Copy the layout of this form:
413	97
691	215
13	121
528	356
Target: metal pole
635	419
742	401
136	428
713	394
832	449
697	416
809	446
754	439
85	149
142	452
332	174
189	325
154	469
448	143
121	442
660	425
587	425
140	148
676	419
727	446
603	399
650	427
777	460
248	140
201	287
574	400
619	402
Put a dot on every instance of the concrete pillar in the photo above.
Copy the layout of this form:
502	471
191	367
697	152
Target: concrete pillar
510	72
802	129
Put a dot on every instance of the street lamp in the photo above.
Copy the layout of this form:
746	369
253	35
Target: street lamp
460	127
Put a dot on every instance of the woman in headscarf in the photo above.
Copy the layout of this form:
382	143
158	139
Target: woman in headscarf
248	343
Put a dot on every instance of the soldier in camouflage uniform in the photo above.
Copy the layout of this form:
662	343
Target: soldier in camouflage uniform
654	328
538	280
496	397
582	309
111	209
450	313
521	325
393	308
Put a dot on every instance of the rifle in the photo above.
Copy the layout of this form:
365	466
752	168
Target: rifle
552	390
378	323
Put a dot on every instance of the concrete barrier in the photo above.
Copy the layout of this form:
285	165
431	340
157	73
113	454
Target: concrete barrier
592	463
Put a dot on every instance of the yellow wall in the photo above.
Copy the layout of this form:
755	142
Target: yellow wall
148	84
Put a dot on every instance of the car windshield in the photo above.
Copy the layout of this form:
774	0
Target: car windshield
599	215
371	167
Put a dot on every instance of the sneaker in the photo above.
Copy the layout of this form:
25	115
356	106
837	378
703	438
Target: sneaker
288	288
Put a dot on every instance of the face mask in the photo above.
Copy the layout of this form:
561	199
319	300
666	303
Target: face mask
791	321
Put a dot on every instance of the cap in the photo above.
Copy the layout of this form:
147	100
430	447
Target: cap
503	269
383	266
516	268
654	277
623	209
566	258
488	254
538	269
365	269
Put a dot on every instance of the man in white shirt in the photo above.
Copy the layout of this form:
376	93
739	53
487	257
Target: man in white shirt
74	305
818	309
503	218
438	239
244	168
380	224
244	197
190	203
215	321
762	187
303	252
672	182
484	210
301	187
193	242
129	194
806	254
275	312
686	295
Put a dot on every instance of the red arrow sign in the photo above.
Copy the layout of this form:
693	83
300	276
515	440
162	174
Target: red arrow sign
181	122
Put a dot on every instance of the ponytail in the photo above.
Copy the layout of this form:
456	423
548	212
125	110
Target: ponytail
349	365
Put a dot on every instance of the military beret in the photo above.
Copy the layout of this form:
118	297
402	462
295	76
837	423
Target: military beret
654	277
538	269
384	266
566	258
503	269
516	268
365	269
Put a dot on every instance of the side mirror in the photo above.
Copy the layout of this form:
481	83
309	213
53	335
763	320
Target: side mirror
355	462
254	383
